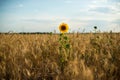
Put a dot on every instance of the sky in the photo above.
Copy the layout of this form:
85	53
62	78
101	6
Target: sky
47	15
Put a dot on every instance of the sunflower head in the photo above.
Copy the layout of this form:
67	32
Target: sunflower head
63	27
95	27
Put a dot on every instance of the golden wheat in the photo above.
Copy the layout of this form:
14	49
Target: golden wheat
36	57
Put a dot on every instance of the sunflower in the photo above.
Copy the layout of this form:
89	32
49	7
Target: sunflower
63	27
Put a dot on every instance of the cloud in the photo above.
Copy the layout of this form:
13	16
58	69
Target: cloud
39	20
102	10
115	1
86	22
99	1
103	25
116	21
105	8
114	27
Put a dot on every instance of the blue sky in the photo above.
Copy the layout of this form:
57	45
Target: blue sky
46	15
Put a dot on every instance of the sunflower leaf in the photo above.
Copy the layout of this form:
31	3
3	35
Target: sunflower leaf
65	37
67	46
61	34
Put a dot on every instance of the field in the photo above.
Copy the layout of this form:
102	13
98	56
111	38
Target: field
92	56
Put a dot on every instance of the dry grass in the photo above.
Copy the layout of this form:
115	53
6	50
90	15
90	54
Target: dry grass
36	57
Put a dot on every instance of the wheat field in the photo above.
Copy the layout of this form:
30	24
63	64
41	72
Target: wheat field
37	57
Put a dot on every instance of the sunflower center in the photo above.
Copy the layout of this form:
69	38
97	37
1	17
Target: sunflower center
63	28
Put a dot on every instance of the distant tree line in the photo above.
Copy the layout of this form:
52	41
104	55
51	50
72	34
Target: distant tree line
25	32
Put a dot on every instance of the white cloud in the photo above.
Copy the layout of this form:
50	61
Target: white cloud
104	10
103	1
114	6
114	27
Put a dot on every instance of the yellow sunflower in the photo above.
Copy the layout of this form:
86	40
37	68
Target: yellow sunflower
63	28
